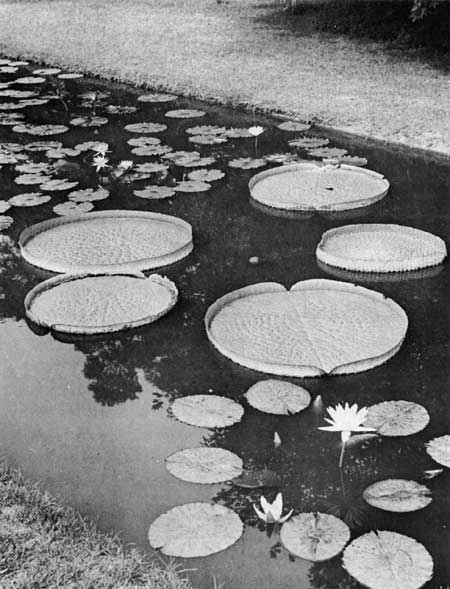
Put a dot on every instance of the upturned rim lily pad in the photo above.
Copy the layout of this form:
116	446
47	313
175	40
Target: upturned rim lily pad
397	418
397	495
195	529
385	559
315	536
204	465
207	411
278	397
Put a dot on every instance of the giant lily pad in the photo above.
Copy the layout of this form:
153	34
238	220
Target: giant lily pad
207	410
29	199
315	536
312	187
439	450
397	418
278	397
382	559
145	128
397	495
204	465
107	241
380	248
195	529
184	113
86	304
318	327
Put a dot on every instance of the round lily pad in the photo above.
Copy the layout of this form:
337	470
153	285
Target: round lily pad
293	126
11	106
106	241
31	179
237	133
206	130
195	529
439	450
10	119
72	208
207	410
61	153
385	559
58	185
397	418
208	139
151	168
144	141
4	206
247	163
190	162
398	495
5	222
151	150
34	102
70	76
278	397
204	465
33	129
374	247
318	327
315	536
88	121
192	186
49	71
309	142
184	113
103	303
91	146
351	160
43	145
30	199
312	187
88	195
157	97
121	109
33	168
145	128
17	93
206	175
29	80
8	69
155	192
330	152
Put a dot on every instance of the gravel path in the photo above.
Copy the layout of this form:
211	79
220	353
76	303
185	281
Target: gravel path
234	52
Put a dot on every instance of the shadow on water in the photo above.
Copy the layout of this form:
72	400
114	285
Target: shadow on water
90	417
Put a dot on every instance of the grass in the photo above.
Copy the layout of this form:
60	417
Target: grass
238	52
45	545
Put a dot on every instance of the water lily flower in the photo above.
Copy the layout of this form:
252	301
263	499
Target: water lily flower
256	130
101	149
125	164
346	420
271	512
100	162
276	440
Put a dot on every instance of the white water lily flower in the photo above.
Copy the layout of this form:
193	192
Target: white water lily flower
101	148
125	164
346	420
100	162
271	512
255	131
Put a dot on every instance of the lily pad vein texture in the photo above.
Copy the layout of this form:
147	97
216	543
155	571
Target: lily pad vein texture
204	465
439	450
318	327
310	187
388	560
195	529
397	495
207	410
278	397
315	536
374	247
397	418
107	241
89	304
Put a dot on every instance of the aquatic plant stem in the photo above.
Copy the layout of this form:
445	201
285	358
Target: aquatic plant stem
341	458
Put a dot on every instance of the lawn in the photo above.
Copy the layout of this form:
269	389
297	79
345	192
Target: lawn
238	52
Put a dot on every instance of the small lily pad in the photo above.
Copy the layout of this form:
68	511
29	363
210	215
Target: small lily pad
184	113
88	195
29	199
145	128
281	158
195	529
309	142
192	186
207	139
382	559
191	162
34	102
144	141
204	465
11	106
49	71
61	153
151	150
31	179
151	168
157	97
72	208
397	418
206	130
315	536
88	121
278	397
397	495
8	69
9	93
207	410
43	145
350	160
70	76
58	185
29	80
5	222
293	126
33	168
206	175
247	163
10	119
237	133
439	450
155	192
32	129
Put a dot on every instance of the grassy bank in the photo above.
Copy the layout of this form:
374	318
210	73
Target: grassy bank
43	544
239	51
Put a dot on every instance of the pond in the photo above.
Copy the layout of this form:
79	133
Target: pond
90	417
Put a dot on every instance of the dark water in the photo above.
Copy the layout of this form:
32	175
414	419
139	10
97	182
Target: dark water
89	417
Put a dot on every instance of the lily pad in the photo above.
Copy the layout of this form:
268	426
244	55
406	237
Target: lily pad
204	465
278	397
184	113
155	192
330	152
237	133
190	162
385	559
206	130
281	158
293	126
34	102
11	106
88	195
31	179
121	109
33	168
90	146
151	150
9	93
30	80
32	129
318	327
4	206
10	119
157	97
145	128
247	163
144	141
61	153
193	155
58	185
315	536
192	186
70	76
5	222
439	450
29	199
207	410
102	303
195	529
397	418
206	175
351	160
309	142
397	495
151	168
49	71
8	69
88	121
43	145
207	139
72	208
